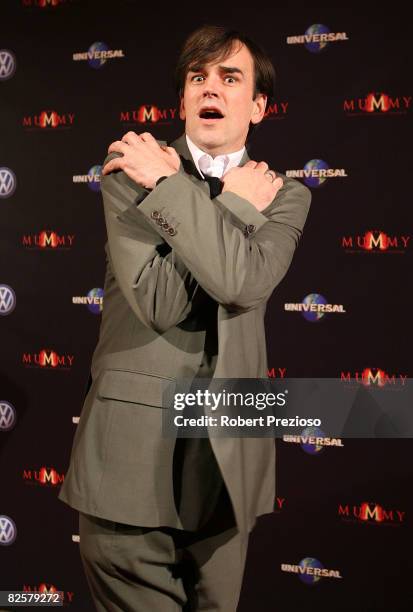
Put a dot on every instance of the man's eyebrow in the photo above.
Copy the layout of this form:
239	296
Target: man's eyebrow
227	69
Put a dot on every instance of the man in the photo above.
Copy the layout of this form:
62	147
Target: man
164	524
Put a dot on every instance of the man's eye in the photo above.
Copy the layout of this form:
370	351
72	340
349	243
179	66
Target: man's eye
197	76
233	79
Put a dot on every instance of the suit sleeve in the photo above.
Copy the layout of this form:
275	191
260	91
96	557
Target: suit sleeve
158	286
236	253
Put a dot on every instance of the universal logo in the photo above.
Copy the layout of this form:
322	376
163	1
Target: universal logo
375	241
44	476
93	300
313	440
370	514
148	114
91	179
98	54
316	38
48	359
310	570
314	307
48	120
48	240
316	172
377	104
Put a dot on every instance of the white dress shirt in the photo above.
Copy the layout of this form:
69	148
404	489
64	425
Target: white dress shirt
213	166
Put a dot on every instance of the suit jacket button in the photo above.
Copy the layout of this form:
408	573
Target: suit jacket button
160	220
154	214
171	231
165	226
251	228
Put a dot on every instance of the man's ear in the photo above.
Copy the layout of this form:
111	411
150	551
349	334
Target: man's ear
182	113
258	111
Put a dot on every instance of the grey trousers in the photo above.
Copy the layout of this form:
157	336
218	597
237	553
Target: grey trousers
151	569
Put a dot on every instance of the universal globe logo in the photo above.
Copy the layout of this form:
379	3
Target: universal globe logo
7	416
8	182
315	173
95	306
7	300
7	64
8	530
93	177
309	443
310	570
313	307
97	55
316	38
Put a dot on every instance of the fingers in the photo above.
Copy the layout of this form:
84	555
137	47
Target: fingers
262	167
250	164
113	164
118	146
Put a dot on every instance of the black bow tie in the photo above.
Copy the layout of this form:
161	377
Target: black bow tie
215	184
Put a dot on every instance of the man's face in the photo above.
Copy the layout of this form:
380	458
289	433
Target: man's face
218	105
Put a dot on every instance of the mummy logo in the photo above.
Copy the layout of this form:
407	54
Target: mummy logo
48	588
310	570
8	182
7	300
48	120
8	64
148	114
278	110
44	4
48	240
93	300
8	530
316	38
277	372
98	54
314	307
48	359
44	476
374	376
279	504
316	172
377	103
375	241
92	178
313	440
370	513
8	416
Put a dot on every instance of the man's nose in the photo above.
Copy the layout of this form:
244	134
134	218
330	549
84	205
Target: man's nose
211	86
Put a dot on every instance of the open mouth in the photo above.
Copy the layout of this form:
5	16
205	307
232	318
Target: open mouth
211	113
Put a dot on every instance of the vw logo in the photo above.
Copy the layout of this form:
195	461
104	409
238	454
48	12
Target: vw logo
7	416
8	531
7	64
7	300
8	182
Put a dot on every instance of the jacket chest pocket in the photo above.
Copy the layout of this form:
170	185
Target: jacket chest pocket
136	387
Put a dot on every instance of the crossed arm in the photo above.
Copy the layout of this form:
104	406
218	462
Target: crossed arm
159	273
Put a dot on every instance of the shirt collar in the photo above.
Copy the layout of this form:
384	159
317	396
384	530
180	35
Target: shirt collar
197	153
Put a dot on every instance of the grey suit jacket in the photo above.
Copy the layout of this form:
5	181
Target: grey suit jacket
186	286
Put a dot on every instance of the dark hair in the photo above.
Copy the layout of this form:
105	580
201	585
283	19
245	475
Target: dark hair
210	43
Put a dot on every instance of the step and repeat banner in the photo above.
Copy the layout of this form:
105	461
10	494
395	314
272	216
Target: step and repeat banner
74	77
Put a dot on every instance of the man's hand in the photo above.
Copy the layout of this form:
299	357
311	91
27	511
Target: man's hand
254	182
144	161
